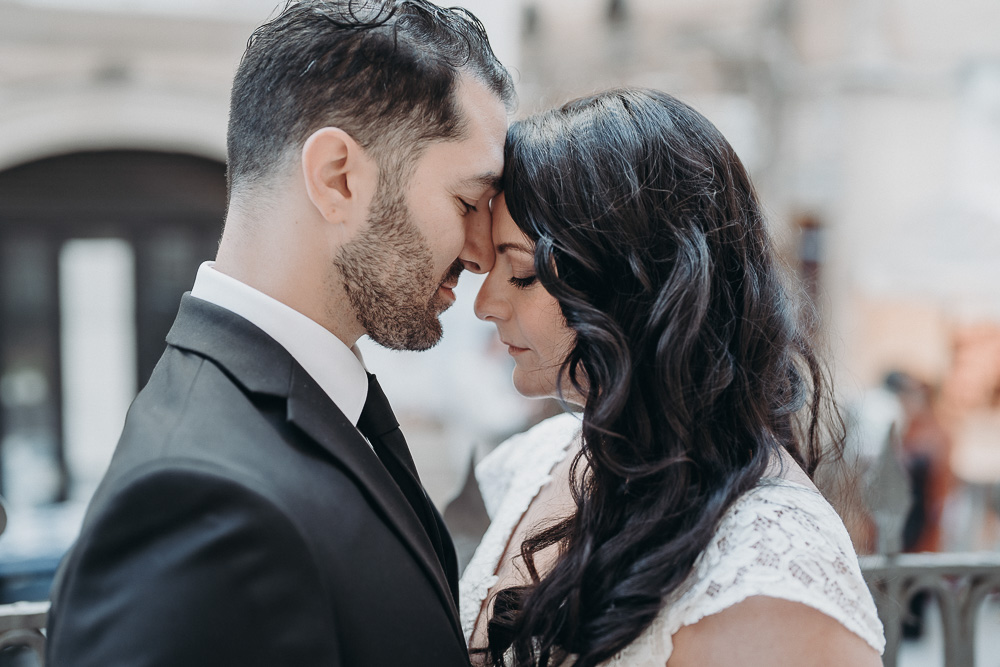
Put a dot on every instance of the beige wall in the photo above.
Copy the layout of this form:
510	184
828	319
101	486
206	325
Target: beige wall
881	118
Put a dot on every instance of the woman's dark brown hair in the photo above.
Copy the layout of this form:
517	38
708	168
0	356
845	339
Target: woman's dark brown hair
689	351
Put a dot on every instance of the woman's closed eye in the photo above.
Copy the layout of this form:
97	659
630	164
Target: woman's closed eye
522	283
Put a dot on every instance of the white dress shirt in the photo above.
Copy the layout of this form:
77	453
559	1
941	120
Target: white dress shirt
339	370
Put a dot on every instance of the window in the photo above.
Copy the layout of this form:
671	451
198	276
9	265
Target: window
96	250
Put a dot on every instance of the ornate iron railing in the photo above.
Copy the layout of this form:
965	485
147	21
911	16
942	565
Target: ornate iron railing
22	624
959	581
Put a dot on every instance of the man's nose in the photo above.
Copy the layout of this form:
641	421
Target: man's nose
478	255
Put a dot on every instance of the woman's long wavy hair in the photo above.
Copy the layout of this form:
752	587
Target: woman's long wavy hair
692	357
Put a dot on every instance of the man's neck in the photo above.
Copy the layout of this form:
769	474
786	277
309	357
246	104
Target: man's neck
294	271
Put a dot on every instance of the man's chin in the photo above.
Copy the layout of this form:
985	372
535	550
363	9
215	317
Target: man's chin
440	307
413	340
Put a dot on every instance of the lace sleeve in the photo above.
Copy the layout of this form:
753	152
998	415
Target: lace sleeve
780	540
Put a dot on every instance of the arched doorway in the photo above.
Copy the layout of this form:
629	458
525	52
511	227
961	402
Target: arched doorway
96	249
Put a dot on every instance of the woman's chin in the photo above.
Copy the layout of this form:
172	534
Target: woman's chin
535	385
530	385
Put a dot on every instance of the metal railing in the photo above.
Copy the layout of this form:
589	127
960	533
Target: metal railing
22	624
959	581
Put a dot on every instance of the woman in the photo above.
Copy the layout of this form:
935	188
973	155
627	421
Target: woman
676	521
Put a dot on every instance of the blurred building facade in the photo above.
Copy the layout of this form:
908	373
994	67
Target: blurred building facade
871	127
112	149
112	191
872	131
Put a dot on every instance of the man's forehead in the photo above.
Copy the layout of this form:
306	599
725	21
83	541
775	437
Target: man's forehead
474	159
489	181
485	121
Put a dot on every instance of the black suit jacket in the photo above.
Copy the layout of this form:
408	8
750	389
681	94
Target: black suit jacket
245	521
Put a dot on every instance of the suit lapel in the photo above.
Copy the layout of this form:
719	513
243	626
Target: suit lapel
260	365
313	412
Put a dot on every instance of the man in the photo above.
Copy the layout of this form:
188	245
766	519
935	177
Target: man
262	507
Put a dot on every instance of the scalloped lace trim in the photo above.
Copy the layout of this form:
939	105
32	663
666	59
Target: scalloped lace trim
509	479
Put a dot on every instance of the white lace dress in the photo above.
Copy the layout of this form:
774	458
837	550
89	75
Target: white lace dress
781	540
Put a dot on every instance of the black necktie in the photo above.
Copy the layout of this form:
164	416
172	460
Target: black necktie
379	425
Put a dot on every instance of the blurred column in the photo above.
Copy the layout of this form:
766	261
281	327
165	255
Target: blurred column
97	305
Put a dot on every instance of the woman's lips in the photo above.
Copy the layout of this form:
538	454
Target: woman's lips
514	350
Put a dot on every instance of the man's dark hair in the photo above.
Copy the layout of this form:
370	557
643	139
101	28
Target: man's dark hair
384	71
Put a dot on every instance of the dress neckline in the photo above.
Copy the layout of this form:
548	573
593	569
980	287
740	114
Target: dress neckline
782	481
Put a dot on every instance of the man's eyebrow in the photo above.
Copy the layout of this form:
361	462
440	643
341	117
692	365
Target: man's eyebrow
491	180
504	247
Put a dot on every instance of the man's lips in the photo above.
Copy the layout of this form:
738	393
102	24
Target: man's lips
451	278
450	282
447	293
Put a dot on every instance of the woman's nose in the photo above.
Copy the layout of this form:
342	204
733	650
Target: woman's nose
489	305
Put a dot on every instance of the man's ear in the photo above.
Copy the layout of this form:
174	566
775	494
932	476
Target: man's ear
339	175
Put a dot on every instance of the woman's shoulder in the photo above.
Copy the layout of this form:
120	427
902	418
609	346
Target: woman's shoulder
765	631
532	453
778	514
782	540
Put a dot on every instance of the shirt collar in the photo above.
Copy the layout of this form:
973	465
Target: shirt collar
338	369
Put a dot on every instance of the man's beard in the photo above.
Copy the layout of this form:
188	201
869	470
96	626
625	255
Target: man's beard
387	276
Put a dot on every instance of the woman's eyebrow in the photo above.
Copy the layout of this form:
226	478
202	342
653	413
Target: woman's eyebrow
504	247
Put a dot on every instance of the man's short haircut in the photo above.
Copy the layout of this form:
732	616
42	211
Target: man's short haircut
384	71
